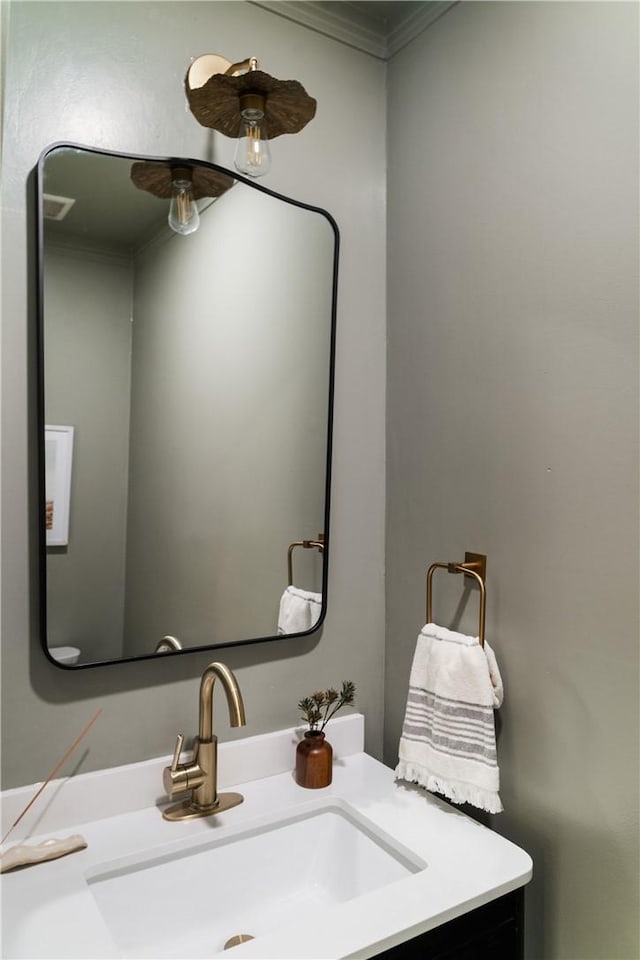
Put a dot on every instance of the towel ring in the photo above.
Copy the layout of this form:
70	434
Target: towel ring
475	565
307	544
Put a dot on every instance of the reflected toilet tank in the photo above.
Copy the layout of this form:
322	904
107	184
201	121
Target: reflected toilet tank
65	654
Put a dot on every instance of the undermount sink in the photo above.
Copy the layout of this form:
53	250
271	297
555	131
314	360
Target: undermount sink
188	901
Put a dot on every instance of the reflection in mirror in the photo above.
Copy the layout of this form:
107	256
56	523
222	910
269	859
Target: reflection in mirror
193	374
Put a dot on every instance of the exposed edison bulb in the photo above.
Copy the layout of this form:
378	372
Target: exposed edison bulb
253	155
183	213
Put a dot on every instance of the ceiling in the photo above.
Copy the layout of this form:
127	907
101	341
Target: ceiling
388	13
378	27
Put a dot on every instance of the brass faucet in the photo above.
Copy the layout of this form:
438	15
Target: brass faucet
200	776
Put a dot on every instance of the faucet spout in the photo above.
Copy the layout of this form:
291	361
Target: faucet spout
234	699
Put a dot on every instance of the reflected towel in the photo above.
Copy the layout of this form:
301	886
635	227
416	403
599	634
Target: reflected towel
448	742
299	610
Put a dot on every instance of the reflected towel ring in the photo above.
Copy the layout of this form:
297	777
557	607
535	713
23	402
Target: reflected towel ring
307	544
475	565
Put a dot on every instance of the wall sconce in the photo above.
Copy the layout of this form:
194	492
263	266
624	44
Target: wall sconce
243	102
183	185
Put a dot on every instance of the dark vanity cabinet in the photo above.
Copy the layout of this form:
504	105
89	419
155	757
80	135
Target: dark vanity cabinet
494	931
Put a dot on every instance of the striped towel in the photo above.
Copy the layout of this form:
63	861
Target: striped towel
448	742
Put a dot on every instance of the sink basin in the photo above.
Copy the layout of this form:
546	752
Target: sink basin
188	901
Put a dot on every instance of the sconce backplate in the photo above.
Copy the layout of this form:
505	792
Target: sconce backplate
204	67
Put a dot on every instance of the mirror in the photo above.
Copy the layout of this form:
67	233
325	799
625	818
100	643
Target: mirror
185	410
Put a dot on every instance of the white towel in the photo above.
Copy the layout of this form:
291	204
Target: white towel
299	610
448	742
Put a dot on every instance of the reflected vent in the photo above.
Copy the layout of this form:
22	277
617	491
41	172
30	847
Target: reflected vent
56	208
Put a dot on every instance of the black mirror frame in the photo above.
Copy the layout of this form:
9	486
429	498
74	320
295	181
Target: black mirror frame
38	373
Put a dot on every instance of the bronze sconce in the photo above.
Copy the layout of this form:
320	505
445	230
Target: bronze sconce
241	101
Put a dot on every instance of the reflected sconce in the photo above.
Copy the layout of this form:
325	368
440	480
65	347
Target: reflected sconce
183	186
243	102
183	212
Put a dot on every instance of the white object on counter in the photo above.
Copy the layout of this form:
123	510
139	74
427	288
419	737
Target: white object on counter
25	854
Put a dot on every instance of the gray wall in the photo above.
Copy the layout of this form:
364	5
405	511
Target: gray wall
228	420
111	75
513	420
87	378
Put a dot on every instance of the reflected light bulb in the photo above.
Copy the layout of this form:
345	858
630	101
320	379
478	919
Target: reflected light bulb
253	155
183	213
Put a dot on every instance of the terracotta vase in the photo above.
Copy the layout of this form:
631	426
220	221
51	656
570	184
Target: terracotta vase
314	761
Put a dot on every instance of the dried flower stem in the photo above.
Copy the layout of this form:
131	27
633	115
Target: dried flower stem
321	706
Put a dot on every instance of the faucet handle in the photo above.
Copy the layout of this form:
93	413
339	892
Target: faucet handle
176	753
181	776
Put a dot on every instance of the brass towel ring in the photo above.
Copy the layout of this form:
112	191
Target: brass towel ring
475	565
307	544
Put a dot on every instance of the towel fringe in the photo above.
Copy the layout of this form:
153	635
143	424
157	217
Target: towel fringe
455	790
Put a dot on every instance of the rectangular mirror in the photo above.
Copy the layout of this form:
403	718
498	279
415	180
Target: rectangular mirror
186	401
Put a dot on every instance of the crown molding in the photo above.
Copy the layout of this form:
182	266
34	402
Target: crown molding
415	23
347	24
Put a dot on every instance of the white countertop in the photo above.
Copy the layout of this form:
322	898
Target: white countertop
50	912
